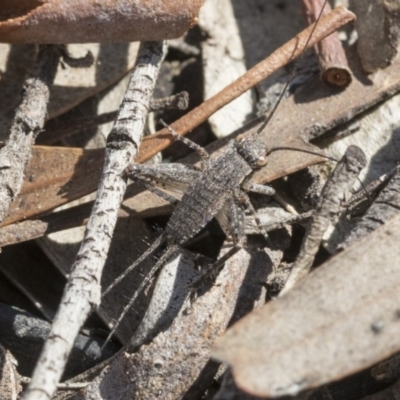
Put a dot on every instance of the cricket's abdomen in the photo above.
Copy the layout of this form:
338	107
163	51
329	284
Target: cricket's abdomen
206	196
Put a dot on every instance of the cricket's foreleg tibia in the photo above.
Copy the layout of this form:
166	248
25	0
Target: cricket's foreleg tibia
194	146
243	198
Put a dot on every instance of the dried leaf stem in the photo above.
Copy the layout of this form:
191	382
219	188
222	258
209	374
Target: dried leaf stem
331	56
28	122
333	193
82	292
289	51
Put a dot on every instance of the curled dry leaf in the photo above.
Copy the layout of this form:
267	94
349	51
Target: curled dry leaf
343	318
76	21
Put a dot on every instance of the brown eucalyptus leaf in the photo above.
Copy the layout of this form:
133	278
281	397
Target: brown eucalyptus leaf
55	176
345	317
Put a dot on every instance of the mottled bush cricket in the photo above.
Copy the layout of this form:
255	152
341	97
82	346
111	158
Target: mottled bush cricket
218	190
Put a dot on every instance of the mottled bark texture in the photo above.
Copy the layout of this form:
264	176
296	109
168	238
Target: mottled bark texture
28	122
77	21
82	293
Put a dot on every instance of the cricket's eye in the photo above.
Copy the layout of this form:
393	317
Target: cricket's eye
262	161
239	138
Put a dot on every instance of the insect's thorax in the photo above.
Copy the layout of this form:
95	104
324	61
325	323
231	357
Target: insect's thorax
207	195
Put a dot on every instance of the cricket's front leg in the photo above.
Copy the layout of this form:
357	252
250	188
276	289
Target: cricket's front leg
202	152
244	200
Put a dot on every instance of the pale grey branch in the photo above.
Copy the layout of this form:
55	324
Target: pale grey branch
82	292
28	122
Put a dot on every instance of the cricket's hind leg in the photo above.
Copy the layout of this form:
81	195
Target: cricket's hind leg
192	145
158	242
169	252
231	219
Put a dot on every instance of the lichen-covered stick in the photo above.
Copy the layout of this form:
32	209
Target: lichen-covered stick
333	193
82	292
28	122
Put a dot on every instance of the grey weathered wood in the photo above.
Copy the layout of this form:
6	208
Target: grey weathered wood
82	293
21	330
342	319
28	122
10	380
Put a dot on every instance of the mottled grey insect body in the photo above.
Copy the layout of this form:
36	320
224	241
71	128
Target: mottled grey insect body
218	190
205	197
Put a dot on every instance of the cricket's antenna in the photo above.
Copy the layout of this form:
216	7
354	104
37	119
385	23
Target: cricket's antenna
167	254
150	250
315	153
292	75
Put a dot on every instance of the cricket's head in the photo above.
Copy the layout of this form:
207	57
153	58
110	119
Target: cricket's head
252	149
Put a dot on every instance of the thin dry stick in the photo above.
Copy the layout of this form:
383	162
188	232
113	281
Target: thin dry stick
76	21
82	292
292	49
333	193
331	56
28	122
